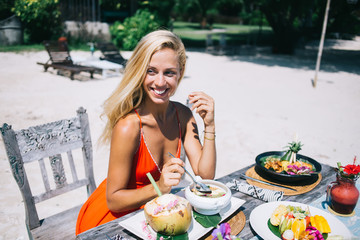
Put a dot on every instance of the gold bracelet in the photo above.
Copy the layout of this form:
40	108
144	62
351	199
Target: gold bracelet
209	132
210	138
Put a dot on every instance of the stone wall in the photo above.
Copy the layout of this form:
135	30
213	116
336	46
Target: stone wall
10	31
89	31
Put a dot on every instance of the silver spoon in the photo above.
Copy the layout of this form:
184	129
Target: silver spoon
201	187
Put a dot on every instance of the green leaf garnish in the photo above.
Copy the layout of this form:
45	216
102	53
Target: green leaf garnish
207	220
273	229
295	146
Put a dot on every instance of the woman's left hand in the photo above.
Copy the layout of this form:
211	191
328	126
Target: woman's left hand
204	105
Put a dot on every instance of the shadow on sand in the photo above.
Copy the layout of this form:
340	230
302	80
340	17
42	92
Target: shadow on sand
333	60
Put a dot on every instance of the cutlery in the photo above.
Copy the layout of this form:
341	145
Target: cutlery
201	187
267	183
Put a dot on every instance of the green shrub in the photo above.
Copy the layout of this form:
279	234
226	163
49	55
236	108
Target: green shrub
127	35
40	19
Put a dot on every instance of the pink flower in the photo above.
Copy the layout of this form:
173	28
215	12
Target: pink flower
158	209
172	204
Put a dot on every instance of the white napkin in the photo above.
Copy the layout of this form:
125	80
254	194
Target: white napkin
266	195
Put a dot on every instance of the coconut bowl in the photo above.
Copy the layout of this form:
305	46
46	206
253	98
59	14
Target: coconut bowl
174	220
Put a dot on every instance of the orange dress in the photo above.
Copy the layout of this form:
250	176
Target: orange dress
95	212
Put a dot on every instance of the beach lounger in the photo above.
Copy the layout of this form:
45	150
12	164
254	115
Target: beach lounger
111	53
60	59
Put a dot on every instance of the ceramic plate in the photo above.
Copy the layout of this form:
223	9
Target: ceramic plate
135	223
261	214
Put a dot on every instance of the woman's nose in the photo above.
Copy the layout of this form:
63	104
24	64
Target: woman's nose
160	80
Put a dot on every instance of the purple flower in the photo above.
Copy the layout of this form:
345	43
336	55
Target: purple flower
225	231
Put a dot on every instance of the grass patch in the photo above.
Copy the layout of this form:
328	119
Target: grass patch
22	48
193	36
39	47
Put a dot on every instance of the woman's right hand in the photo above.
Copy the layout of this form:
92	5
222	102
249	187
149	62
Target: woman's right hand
171	174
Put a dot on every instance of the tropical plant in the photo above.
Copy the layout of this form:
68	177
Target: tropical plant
40	19
162	10
126	35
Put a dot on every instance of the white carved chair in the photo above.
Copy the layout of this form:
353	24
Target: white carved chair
54	142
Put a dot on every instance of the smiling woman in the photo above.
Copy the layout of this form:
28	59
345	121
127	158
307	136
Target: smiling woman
144	126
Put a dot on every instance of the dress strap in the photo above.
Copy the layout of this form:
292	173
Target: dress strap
138	117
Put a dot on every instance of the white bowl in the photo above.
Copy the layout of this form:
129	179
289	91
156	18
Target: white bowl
208	206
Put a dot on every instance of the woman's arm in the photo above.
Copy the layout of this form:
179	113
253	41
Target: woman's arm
201	158
124	143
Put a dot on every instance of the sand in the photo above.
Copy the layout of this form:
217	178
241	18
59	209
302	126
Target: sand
262	101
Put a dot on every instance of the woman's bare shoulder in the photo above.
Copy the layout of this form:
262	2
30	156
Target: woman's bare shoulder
183	110
128	127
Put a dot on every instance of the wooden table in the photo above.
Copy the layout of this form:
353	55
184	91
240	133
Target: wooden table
112	228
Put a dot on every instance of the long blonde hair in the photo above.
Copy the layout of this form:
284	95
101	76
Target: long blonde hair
129	94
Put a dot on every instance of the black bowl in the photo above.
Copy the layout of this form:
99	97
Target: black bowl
283	177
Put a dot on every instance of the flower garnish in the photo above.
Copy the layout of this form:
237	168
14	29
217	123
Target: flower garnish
349	171
223	232
314	232
170	205
296	170
145	228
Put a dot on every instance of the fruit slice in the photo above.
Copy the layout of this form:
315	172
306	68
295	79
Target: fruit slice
320	223
277	214
298	226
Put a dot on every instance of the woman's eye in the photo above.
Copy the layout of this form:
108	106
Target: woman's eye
150	71
170	73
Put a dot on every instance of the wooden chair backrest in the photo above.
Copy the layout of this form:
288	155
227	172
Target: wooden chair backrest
58	52
52	141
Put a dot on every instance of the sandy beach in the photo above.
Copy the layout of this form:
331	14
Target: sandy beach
262	101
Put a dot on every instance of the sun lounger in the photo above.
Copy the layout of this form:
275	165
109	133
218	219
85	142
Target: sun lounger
60	59
111	53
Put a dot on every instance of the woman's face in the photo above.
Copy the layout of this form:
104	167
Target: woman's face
162	76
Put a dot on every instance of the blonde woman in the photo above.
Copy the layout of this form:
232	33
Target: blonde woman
144	126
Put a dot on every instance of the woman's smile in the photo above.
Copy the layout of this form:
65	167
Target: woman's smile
159	91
